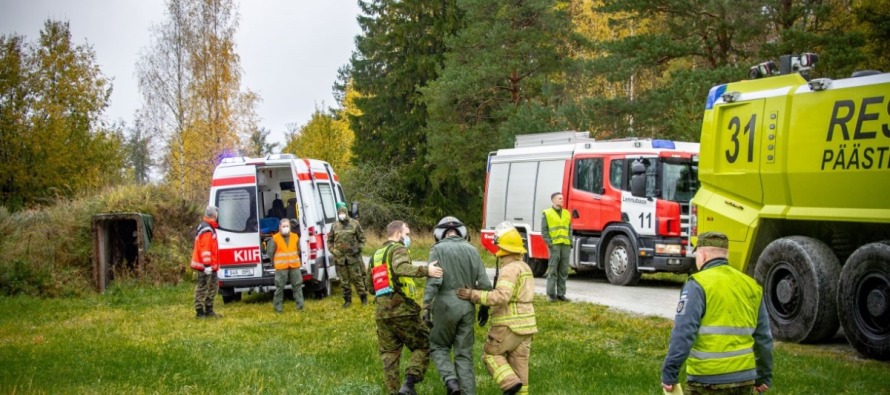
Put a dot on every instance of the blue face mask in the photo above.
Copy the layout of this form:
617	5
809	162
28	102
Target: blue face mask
406	241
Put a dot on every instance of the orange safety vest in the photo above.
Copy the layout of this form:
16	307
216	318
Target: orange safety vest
287	255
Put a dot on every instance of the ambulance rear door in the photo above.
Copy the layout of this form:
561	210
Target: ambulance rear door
234	192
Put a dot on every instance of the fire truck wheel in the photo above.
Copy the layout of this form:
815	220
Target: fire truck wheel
799	278
538	266
864	300
229	295
621	262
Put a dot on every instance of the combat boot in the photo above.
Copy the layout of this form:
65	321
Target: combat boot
364	299
210	314
200	313
347	302
408	387
452	387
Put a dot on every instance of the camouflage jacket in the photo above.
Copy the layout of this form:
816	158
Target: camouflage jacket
396	304
346	238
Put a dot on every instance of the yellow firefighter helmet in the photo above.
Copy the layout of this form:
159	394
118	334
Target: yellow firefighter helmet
508	240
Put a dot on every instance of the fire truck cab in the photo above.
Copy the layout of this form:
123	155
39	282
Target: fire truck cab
253	195
628	198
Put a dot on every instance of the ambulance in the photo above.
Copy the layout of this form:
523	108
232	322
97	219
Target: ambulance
628	198
253	195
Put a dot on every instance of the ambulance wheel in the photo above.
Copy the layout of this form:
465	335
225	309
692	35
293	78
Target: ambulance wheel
864	300
229	295
799	278
621	262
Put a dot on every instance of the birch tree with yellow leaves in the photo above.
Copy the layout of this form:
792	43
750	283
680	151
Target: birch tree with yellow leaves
190	78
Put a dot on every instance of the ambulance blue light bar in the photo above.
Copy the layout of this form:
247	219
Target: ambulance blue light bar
665	144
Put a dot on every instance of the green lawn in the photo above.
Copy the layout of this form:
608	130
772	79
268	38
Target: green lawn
138	339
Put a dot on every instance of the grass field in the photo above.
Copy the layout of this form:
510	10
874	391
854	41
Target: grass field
139	339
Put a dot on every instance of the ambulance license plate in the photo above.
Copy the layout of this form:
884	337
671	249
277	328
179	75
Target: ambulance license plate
239	272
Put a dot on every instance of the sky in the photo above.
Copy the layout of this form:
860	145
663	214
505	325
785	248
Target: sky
290	49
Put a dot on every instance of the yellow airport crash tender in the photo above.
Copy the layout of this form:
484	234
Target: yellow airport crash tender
797	173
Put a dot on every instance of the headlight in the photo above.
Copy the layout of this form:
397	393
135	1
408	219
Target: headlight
668	249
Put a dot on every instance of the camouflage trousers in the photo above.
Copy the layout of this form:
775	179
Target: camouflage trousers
742	388
351	270
505	355
392	335
205	290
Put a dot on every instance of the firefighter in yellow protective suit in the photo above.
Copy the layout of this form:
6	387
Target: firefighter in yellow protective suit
513	326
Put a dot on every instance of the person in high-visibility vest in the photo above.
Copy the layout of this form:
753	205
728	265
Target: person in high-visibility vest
284	250
513	324
556	229
397	313
721	329
205	261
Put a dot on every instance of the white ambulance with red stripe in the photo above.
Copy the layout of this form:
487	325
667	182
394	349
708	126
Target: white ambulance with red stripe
628	198
253	194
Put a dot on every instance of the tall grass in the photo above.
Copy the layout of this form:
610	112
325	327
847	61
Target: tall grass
140	339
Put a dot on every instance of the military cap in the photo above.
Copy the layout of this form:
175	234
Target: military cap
712	239
341	207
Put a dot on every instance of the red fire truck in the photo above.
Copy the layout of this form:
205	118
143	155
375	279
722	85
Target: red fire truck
629	200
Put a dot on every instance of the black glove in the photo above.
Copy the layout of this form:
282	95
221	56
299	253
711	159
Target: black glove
426	317
483	315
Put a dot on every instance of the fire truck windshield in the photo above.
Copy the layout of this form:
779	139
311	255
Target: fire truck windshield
679	181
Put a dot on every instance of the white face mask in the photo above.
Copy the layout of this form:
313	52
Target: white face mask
342	217
285	230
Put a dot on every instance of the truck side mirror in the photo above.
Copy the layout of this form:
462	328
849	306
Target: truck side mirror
638	179
354	211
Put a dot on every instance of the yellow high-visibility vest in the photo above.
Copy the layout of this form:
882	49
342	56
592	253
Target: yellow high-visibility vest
558	225
725	342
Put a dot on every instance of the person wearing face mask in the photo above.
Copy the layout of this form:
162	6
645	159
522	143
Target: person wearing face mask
346	240
284	248
397	313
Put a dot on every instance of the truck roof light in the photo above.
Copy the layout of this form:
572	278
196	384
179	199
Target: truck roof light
665	144
819	84
731	97
765	69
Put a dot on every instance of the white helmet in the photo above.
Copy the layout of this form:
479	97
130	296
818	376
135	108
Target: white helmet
449	223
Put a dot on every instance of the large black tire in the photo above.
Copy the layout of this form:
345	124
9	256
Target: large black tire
799	278
863	298
229	295
538	266
621	262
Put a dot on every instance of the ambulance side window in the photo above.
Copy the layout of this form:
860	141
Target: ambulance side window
589	175
326	198
237	209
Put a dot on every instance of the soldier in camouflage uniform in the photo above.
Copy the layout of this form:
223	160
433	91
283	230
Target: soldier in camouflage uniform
347	239
397	313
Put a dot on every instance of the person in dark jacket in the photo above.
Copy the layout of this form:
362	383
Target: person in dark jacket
721	330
